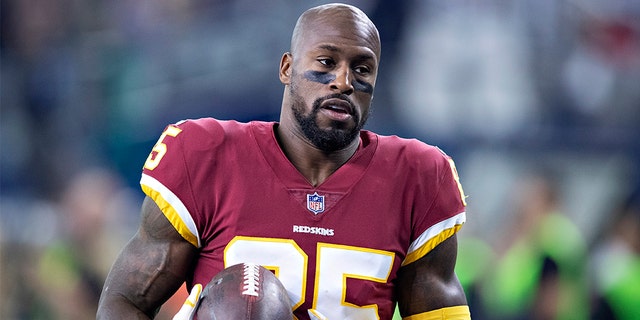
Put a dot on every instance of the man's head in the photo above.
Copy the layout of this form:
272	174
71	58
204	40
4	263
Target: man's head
330	74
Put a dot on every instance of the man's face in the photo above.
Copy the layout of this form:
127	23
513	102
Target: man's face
332	79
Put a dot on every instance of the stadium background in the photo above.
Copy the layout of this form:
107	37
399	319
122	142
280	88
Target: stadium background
537	100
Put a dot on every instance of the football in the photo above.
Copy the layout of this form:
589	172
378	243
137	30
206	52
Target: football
244	291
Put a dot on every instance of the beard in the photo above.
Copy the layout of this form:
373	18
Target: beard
328	140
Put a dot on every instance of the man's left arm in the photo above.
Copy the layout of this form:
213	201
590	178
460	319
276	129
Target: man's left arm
428	288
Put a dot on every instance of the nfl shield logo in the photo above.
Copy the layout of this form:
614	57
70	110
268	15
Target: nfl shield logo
315	203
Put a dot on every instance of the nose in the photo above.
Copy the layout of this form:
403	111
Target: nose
342	82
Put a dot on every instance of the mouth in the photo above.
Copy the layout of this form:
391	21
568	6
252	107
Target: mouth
338	106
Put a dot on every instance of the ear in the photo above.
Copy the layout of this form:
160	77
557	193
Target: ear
285	68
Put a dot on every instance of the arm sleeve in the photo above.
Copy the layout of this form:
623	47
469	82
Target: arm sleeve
165	179
445	213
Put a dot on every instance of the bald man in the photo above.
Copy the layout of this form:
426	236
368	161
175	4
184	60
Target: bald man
350	221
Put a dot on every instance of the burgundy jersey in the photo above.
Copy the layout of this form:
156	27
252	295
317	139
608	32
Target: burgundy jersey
228	188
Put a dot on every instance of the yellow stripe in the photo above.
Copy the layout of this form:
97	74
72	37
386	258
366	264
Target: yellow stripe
450	313
171	214
430	244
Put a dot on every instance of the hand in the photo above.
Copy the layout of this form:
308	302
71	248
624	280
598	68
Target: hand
190	305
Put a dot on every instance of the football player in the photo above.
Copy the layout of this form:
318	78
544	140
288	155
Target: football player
350	221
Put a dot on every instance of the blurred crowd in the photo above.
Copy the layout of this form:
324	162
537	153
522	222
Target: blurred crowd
537	100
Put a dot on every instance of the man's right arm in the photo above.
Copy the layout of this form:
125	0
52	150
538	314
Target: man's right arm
151	267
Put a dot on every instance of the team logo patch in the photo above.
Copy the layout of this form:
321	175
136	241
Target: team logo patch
315	203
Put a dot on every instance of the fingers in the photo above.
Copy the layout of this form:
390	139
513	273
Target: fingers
189	307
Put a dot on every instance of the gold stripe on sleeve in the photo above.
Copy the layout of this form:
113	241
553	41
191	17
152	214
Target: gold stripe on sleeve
430	244
449	313
172	207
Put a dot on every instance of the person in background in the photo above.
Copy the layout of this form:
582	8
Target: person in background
615	265
539	268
